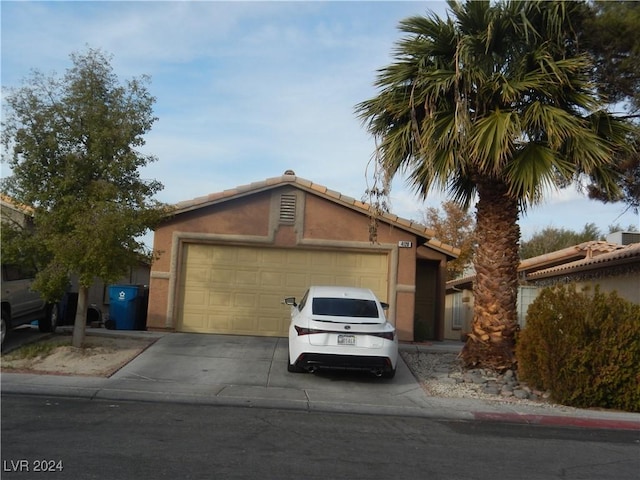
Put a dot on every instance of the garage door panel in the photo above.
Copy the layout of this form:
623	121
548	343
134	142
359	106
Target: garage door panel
247	278
199	274
323	260
219	299
239	290
377	285
274	257
217	321
295	280
196	322
244	300
218	277
321	279
269	301
200	255
219	257
196	296
273	278
298	259
248	257
245	323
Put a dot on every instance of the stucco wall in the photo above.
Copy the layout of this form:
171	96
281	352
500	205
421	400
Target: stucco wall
253	219
627	284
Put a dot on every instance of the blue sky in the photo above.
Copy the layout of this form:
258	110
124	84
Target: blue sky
247	90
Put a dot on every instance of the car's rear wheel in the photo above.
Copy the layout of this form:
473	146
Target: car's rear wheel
50	321
389	373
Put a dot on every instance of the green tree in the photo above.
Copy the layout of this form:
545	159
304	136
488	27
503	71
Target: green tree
454	226
550	239
618	228
493	103
72	144
609	32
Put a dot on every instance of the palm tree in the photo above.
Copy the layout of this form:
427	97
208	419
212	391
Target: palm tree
494	105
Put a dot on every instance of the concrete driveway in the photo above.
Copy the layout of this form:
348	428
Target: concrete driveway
251	372
253	369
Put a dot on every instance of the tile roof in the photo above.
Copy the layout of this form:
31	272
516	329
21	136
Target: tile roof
7	201
585	256
576	252
321	191
625	254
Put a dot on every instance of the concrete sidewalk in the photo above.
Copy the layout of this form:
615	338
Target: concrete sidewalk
251	372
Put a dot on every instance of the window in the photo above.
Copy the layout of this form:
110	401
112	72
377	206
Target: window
345	307
303	302
16	272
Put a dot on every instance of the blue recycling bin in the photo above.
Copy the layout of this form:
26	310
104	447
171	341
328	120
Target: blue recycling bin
124	306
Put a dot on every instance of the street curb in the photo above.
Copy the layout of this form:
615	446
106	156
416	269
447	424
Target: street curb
438	414
558	421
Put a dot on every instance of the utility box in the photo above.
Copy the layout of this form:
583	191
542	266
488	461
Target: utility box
128	307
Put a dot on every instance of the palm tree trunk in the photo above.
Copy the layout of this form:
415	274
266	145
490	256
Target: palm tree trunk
491	343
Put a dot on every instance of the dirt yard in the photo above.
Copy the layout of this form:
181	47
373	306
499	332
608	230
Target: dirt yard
101	356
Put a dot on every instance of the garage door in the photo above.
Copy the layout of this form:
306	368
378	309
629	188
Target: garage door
239	290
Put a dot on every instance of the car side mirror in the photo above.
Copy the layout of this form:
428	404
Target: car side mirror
385	306
290	301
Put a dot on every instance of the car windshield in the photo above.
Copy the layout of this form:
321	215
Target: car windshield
345	307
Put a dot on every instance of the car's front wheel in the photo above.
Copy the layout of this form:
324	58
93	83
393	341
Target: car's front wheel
50	321
4	321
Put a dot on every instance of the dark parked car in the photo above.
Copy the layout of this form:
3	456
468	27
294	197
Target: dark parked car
21	305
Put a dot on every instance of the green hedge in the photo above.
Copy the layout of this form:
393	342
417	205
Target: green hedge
584	347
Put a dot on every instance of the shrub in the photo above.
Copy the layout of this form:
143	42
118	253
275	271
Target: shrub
583	347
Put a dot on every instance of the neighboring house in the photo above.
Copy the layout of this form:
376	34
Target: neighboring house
21	215
617	270
229	259
14	213
612	266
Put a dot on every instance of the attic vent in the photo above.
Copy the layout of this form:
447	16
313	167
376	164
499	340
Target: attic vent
288	208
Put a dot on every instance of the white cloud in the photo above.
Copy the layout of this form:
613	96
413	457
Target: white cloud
246	90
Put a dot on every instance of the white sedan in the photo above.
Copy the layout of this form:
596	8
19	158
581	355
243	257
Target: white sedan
341	328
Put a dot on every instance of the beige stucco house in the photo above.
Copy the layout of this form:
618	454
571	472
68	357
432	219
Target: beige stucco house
617	269
227	260
610	265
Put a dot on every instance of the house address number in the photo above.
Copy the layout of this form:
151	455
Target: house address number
404	244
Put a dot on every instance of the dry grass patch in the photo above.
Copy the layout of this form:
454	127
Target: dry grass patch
100	356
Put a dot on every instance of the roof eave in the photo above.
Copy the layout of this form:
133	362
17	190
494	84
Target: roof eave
570	270
422	233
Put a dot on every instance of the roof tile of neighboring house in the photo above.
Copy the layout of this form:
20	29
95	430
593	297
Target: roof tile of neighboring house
581	255
7	201
625	254
321	191
576	252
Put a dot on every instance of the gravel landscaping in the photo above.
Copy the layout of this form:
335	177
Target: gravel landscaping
441	375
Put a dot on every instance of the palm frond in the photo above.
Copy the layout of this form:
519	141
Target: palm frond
483	93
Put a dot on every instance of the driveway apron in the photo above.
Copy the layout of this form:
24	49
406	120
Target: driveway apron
228	366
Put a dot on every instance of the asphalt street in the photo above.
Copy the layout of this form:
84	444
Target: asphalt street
98	439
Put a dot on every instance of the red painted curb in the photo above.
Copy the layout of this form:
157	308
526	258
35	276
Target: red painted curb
558	420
